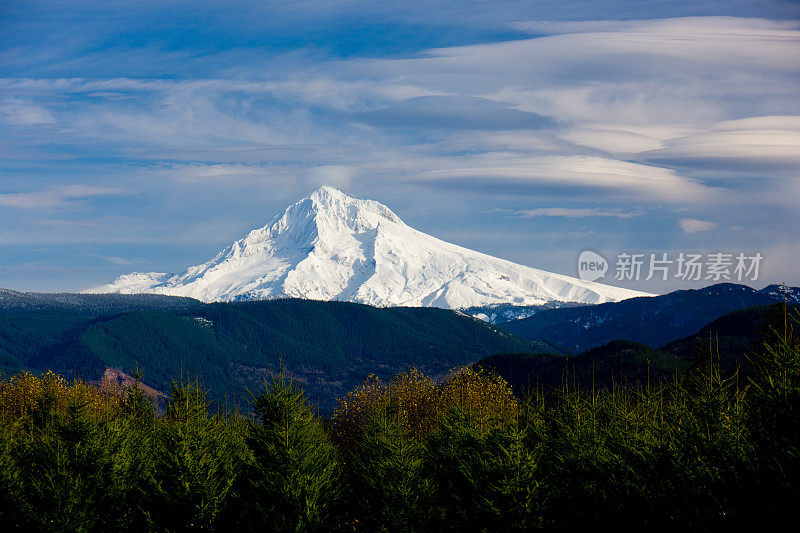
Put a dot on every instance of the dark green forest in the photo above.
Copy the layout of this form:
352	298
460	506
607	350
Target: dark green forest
628	362
654	321
705	449
329	347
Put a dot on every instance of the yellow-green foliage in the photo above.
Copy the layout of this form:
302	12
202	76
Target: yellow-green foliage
28	395
485	396
416	403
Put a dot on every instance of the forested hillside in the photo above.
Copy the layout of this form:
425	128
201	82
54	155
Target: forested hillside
622	362
327	346
654	321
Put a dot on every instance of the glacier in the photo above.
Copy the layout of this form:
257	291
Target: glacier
330	246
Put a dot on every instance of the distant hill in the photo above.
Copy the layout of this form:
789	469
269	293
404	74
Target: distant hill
329	346
94	304
730	338
500	313
619	361
31	321
654	321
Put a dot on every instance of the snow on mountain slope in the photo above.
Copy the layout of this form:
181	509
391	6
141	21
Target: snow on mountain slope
329	246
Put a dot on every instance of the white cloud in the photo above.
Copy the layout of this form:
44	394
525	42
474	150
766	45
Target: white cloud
693	225
764	145
18	112
117	260
623	139
219	173
710	25
55	197
568	212
339	176
623	177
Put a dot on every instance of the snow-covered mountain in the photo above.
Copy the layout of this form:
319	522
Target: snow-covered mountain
329	246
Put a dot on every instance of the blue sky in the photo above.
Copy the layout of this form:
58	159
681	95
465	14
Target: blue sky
146	136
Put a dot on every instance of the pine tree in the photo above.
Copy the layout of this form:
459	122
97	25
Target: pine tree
774	417
293	480
199	459
390	489
484	474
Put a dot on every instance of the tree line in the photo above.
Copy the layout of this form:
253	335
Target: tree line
459	453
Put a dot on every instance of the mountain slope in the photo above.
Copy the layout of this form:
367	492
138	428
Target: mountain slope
329	246
732	339
619	361
329	347
652	321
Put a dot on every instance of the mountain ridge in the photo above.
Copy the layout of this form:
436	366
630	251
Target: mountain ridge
652	321
731	339
329	347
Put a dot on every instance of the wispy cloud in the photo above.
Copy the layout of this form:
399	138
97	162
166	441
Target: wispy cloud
578	172
693	225
455	112
768	144
567	212
117	260
18	112
56	197
712	25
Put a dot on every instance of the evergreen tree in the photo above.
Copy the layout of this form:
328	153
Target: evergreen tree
62	474
390	488
199	458
485	475
293	480
774	416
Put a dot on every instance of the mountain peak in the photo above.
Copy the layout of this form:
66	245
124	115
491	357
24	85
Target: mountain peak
327	194
355	213
331	246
